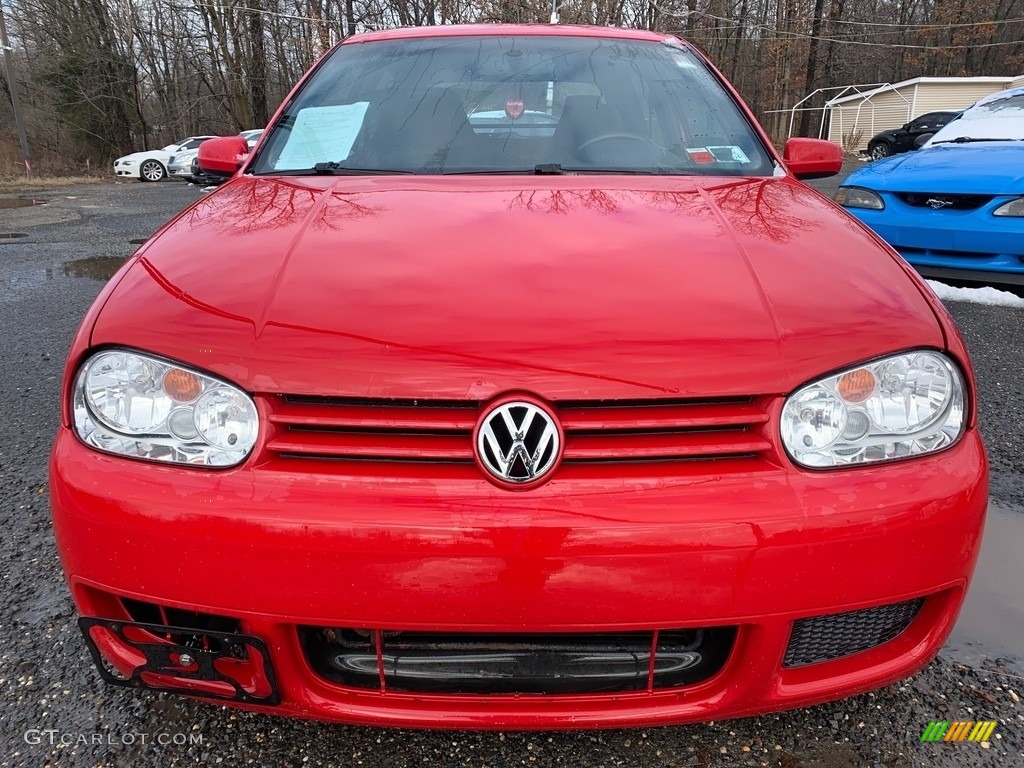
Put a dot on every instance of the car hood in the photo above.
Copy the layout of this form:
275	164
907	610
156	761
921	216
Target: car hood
152	154
464	287
992	168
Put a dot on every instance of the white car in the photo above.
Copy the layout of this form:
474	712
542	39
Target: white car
153	165
251	137
183	165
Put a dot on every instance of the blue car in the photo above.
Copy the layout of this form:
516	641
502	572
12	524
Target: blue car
955	209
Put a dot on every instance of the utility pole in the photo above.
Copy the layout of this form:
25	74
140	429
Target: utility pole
12	86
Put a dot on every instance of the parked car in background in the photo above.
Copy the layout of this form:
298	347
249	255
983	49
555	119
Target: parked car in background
954	208
198	176
203	178
251	137
411	423
180	163
152	165
905	139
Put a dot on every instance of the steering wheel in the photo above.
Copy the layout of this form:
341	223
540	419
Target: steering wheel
617	135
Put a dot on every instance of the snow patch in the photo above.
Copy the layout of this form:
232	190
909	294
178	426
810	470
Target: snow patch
985	295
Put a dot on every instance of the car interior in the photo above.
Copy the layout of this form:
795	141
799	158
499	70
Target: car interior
606	115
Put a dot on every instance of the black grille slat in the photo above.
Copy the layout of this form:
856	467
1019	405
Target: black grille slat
381	402
825	638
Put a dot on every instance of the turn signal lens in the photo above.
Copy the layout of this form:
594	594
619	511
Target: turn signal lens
182	386
856	386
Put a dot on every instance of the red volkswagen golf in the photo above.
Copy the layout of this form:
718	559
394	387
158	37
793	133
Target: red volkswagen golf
515	381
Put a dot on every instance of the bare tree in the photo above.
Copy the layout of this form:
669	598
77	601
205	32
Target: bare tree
119	75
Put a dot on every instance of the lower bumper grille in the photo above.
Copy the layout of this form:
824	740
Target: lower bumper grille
455	663
201	623
908	252
824	638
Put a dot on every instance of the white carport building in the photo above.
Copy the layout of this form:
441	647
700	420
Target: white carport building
854	119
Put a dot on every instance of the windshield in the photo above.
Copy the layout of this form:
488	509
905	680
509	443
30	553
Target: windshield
999	116
514	104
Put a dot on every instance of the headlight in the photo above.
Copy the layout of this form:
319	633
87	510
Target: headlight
135	405
900	406
855	197
1013	208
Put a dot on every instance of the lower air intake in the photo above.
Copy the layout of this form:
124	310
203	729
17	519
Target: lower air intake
824	638
453	663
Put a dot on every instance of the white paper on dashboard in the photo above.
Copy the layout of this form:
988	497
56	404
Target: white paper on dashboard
322	134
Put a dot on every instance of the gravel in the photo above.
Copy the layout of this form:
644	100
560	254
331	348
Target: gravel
51	693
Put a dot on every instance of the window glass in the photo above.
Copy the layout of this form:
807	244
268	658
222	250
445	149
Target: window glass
507	104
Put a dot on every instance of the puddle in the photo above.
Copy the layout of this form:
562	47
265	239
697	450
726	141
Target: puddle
17	284
5	236
95	268
20	202
991	624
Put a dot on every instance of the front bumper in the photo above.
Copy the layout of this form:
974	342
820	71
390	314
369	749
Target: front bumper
756	551
959	244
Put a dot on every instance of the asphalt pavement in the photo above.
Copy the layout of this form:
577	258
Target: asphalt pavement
55	711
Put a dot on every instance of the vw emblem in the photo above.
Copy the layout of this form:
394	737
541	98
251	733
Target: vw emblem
936	203
518	442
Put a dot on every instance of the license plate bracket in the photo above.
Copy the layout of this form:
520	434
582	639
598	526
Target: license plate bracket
204	676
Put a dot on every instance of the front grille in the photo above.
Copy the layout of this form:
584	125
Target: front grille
909	251
452	663
202	623
440	431
824	638
944	202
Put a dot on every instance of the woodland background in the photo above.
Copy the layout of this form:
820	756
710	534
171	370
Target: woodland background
100	78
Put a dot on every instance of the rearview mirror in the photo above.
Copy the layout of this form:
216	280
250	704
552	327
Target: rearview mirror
920	140
222	156
813	158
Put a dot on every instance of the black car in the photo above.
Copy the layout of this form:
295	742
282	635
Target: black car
204	179
906	138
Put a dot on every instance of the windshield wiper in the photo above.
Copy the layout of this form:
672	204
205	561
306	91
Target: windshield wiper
337	169
556	169
661	170
969	140
541	169
334	169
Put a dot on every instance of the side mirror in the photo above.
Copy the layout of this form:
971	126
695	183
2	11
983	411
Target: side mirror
222	156
813	158
920	140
